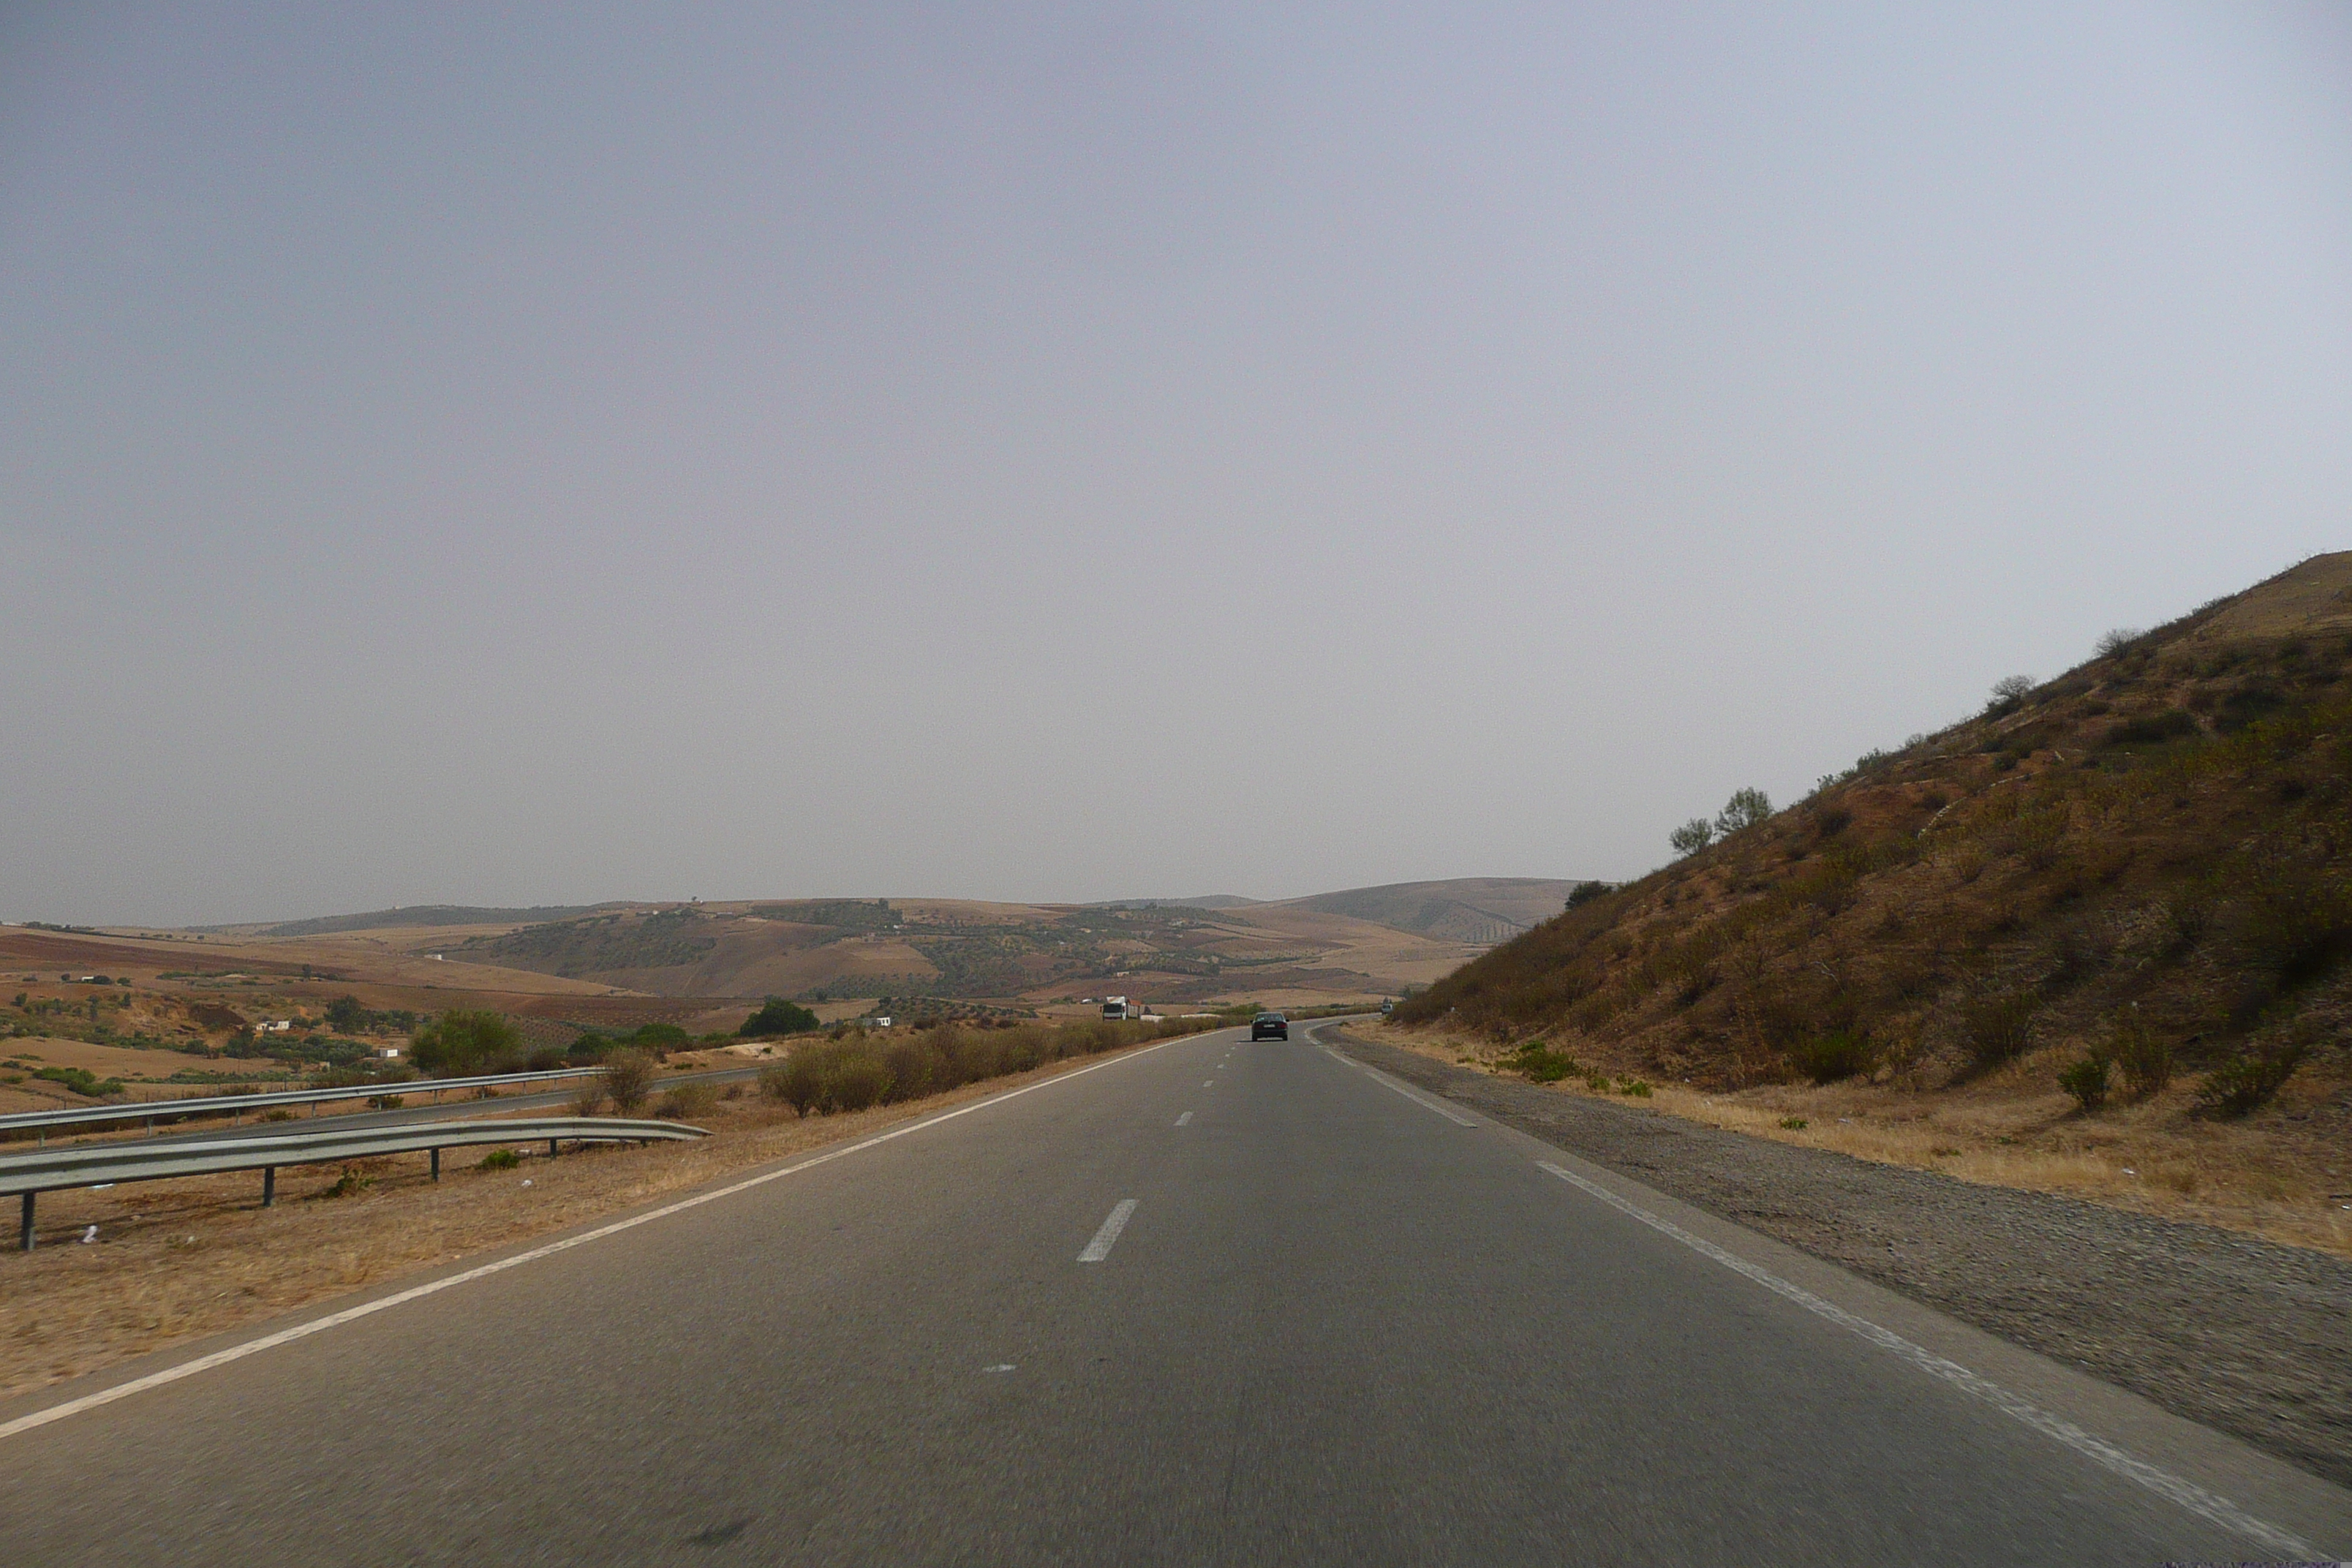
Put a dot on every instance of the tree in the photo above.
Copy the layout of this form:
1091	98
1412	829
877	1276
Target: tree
1746	808
2008	692
2116	641
461	1042
345	1015
1692	836
1585	893
778	1016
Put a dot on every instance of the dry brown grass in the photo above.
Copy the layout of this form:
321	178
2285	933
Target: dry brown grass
2285	1176
175	1261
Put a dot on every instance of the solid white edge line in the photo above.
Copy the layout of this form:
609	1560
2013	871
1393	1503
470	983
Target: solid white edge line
415	1292
2187	1494
1385	1081
1108	1236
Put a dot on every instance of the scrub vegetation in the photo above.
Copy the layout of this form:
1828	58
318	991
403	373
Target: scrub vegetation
855	1069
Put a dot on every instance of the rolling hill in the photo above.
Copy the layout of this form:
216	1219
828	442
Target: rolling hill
2147	858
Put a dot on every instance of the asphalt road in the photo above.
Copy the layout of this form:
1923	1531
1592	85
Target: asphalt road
1209	1302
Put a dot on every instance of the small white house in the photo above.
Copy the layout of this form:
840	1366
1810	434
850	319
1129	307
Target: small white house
385	1053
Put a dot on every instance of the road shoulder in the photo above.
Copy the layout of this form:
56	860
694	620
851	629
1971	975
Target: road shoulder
2224	1330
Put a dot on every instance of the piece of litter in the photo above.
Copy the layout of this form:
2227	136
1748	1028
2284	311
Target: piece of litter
526	1181
103	1186
1845	1121
2129	1171
90	1236
1001	1367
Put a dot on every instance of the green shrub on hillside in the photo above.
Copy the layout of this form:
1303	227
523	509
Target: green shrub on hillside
2086	1081
2248	1080
1996	1029
1833	1054
2143	1056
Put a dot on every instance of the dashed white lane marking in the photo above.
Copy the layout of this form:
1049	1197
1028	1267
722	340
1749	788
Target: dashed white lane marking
1210	1084
1183	1119
1385	1081
2188	1495
333	1320
1108	1236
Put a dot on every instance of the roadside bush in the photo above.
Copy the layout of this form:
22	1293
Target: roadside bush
588	1099
588	1049
797	1080
1542	1064
499	1160
688	1100
348	1183
2142	1056
547	1059
2086	1081
2247	1081
1996	1028
856	1081
1836	1054
628	1078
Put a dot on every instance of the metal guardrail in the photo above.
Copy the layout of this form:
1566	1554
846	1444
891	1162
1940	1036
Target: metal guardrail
153	1110
98	1164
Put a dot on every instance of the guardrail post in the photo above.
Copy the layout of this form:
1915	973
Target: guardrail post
269	1186
550	1148
436	1164
24	1241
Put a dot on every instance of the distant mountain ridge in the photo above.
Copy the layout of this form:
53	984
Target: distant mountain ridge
433	915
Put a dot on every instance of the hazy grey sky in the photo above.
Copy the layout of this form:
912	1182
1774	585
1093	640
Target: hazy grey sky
1103	450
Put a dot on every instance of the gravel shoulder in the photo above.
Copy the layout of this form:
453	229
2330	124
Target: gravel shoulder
2243	1335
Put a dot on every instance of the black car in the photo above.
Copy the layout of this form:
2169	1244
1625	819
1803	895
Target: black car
1269	1026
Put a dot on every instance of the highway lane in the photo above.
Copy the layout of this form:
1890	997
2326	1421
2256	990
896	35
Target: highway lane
1210	1302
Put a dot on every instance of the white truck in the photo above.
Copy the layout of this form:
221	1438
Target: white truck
1115	1009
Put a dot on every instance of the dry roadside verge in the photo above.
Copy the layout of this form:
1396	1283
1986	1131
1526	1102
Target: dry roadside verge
2222	1328
180	1259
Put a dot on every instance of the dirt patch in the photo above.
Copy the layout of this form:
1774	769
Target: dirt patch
2222	1328
177	1260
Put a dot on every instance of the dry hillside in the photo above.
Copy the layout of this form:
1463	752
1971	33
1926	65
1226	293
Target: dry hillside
2146	861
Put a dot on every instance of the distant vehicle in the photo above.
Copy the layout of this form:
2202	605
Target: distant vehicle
1115	1009
1269	1025
1386	1008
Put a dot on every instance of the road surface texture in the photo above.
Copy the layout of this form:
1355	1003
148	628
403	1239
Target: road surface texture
2227	1329
1209	1301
